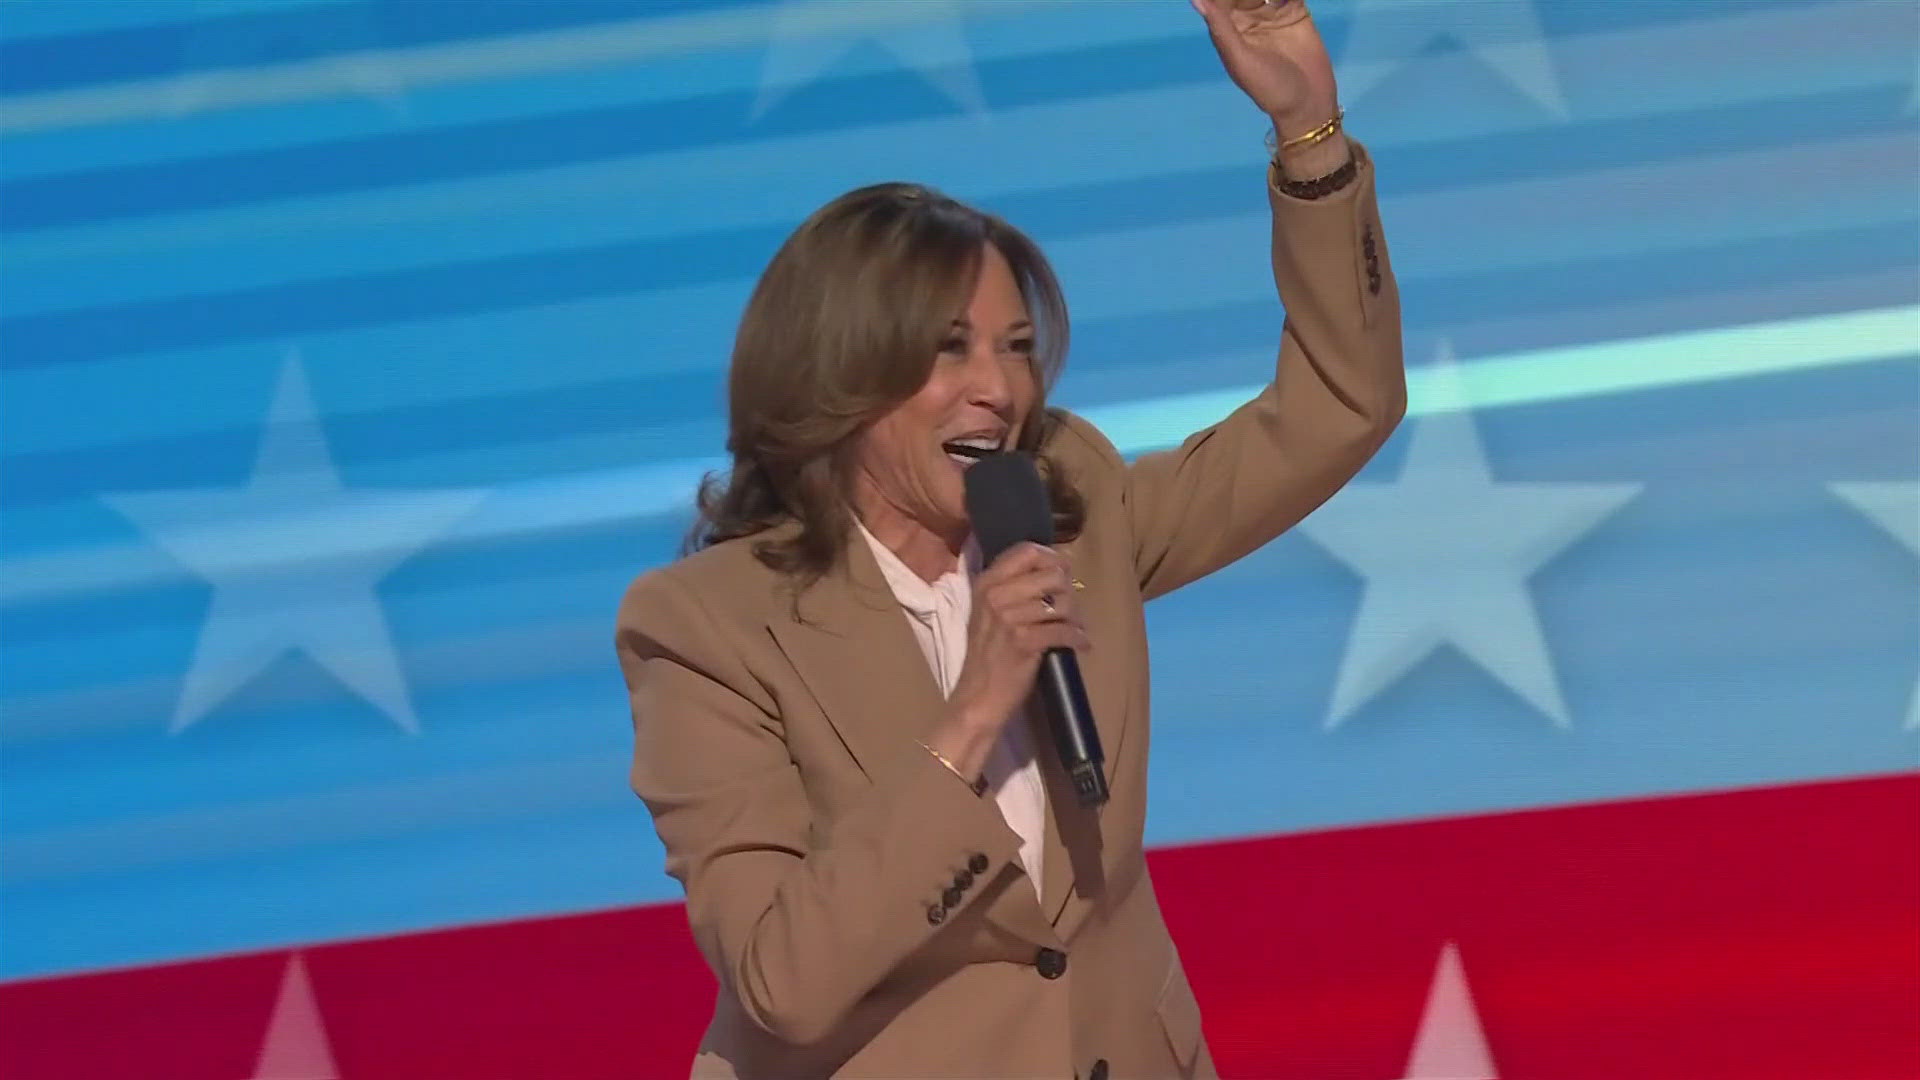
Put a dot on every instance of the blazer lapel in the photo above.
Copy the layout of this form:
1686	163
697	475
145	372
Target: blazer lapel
854	650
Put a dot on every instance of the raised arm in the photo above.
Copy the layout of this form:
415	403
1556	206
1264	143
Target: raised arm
1339	386
1337	392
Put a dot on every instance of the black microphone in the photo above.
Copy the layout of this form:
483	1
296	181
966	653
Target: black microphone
1008	503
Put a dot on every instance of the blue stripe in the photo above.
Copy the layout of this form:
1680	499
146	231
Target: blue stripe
435	597
609	852
25	20
1559	19
1117	346
521	143
143	138
250	248
592	134
1477	728
1622	436
435	292
550	277
34	59
556	337
301	33
162	618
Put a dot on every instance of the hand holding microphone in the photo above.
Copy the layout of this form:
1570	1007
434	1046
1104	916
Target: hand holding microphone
1022	607
1013	521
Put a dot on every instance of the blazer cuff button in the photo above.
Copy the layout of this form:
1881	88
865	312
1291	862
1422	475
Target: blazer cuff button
1051	963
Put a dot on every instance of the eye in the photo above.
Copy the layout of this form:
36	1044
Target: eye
954	345
1023	346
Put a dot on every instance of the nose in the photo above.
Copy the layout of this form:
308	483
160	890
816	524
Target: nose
987	383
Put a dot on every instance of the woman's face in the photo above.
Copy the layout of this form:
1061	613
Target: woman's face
979	393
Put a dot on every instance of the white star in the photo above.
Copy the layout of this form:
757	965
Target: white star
810	36
1446	552
1505	35
1450	1045
296	1046
294	558
1894	505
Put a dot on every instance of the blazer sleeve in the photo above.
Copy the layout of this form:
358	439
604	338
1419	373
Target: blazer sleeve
1338	391
797	919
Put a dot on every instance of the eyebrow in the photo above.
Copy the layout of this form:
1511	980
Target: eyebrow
1023	324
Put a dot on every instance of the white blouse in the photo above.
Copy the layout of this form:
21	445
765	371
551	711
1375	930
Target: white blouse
938	614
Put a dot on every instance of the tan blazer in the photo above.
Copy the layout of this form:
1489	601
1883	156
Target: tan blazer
863	910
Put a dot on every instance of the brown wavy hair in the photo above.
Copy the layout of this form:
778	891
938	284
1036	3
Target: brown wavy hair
845	324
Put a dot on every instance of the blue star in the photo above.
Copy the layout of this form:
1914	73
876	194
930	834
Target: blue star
1505	35
1461	578
294	558
1894	505
810	36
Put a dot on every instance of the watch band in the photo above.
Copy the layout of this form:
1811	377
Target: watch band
1319	187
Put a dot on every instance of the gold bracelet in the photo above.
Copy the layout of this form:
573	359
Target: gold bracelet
978	787
1315	137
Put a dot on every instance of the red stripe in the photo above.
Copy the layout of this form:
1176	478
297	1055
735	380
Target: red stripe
1767	933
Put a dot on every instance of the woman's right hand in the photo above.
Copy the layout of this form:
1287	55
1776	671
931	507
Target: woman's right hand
1023	605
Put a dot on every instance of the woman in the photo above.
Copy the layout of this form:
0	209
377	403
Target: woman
883	862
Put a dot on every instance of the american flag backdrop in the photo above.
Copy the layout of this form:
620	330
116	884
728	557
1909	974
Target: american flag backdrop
355	354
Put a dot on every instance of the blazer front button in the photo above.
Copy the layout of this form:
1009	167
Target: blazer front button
1051	963
978	863
1099	1070
936	914
963	879
952	896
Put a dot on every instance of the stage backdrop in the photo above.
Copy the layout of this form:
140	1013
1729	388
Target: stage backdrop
355	354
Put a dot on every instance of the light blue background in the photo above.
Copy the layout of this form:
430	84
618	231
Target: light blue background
507	243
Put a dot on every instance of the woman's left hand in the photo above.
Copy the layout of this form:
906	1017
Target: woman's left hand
1273	51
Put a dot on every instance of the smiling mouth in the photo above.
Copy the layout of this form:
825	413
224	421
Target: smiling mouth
965	452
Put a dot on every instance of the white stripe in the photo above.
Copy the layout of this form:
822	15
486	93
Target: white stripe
1642	212
23	20
433	65
1101	381
1573	371
1084	141
1823	33
616	495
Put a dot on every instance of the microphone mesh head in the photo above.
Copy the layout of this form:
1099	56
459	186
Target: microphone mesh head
1007	501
